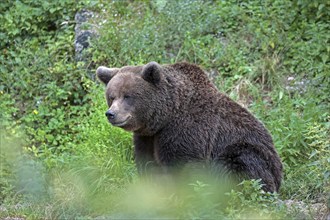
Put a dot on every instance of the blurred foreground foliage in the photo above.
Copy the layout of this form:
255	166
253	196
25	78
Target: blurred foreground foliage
61	159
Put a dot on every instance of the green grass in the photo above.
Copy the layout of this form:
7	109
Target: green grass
61	159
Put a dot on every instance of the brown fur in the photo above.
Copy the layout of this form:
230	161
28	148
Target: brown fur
178	116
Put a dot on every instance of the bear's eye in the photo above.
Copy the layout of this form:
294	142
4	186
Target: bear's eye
127	96
111	98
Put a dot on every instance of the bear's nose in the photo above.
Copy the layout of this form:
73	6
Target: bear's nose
110	114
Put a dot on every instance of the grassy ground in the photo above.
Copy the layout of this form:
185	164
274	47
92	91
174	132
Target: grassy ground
61	159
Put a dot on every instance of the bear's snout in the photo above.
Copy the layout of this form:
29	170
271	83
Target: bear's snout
110	114
118	119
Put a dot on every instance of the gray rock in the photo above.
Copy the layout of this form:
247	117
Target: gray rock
302	210
84	31
293	85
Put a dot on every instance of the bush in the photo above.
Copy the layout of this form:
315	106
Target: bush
250	49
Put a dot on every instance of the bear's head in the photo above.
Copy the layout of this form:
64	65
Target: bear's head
137	97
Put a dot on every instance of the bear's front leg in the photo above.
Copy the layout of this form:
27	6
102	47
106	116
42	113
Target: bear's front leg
144	155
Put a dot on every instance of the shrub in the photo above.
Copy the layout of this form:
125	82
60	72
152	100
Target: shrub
249	49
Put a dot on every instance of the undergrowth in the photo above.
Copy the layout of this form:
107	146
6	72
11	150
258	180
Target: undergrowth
61	159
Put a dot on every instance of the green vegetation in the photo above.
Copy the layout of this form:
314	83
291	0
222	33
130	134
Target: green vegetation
61	159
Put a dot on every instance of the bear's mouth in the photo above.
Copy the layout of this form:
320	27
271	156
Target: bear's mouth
121	123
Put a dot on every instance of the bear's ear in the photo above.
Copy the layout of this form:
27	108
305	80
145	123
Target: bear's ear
105	74
151	72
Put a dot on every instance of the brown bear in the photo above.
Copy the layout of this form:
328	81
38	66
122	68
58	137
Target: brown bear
178	116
